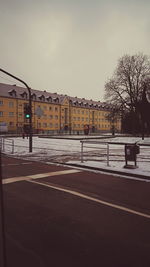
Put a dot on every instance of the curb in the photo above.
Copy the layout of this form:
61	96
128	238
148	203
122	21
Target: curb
109	171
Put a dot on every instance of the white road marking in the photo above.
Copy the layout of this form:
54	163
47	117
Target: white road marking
37	176
93	199
16	164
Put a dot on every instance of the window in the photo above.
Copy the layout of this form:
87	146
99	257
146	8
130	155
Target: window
56	125
1	113
11	123
11	104
51	116
51	125
56	117
20	114
1	102
11	114
56	109
82	111
44	124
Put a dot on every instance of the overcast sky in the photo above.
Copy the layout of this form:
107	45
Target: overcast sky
70	46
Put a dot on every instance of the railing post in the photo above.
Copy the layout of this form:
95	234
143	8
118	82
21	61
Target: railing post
3	144
12	146
81	151
108	154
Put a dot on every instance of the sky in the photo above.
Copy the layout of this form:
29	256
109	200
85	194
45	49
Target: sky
70	46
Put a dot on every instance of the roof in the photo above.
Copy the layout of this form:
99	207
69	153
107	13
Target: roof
14	91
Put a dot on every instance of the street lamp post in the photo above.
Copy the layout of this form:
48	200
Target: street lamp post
30	105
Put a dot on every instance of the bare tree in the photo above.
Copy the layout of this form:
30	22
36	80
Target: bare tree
125	89
126	86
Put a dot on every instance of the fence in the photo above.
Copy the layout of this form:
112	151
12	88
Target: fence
109	151
7	143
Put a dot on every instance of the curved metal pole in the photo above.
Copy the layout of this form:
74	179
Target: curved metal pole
30	104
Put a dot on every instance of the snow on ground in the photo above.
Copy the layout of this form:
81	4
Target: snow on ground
94	152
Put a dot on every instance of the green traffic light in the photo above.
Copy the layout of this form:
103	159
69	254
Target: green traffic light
27	116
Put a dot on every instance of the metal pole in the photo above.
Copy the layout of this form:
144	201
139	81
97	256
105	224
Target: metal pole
81	151
3	147
107	154
30	104
2	223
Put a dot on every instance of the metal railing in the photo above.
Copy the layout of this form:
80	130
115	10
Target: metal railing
6	143
104	151
86	144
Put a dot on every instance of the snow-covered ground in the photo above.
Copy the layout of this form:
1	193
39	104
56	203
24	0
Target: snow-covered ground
94	152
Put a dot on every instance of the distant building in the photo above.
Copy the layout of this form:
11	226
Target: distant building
52	112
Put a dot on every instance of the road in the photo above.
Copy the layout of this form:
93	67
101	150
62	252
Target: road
58	216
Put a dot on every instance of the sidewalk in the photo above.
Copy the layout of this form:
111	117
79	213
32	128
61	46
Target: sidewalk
114	168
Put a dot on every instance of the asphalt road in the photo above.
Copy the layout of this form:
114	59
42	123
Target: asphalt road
56	216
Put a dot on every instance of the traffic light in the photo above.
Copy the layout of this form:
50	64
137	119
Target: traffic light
27	111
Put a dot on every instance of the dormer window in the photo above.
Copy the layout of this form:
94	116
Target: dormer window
86	104
12	93
75	102
80	103
56	100
95	105
49	99
42	97
33	96
24	95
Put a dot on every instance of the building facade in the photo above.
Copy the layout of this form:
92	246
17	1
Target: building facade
52	112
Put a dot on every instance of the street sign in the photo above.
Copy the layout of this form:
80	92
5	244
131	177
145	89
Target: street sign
39	112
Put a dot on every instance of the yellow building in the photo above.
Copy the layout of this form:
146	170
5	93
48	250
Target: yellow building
52	112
